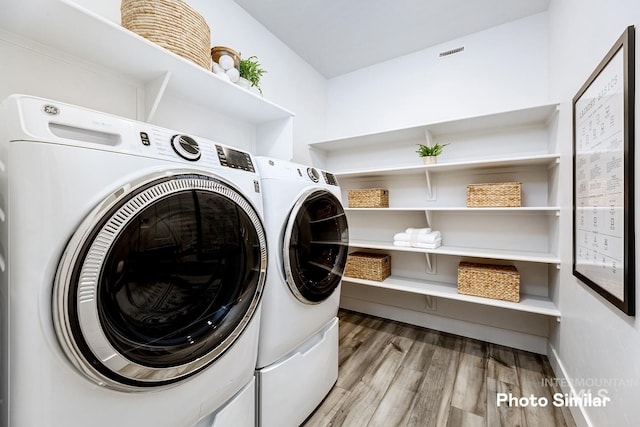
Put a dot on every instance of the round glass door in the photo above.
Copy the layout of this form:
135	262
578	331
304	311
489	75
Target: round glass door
315	246
159	281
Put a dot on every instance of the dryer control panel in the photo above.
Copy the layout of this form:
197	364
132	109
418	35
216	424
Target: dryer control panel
330	178
234	159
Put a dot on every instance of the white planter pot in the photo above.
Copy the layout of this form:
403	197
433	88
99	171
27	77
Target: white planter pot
242	82
429	160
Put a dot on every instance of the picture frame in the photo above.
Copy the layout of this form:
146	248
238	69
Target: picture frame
603	177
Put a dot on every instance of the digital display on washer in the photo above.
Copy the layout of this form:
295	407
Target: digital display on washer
234	159
330	178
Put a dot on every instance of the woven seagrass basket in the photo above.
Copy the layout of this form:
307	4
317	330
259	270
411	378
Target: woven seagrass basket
369	198
172	24
362	265
491	281
501	194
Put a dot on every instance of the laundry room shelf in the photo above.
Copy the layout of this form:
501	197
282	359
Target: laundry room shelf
515	161
508	140
74	30
552	210
508	255
528	303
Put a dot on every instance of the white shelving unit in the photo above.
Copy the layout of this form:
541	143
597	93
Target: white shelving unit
522	148
101	42
528	303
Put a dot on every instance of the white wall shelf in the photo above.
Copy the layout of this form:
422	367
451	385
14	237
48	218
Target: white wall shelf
515	161
528	303
553	210
70	28
507	255
532	116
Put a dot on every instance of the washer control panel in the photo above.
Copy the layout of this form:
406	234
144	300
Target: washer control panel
330	178
234	159
313	174
186	147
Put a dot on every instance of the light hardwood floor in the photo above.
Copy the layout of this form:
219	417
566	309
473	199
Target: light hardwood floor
394	374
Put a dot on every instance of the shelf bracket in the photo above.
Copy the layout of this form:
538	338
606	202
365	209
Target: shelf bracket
428	215
430	192
431	265
430	302
553	164
153	93
428	137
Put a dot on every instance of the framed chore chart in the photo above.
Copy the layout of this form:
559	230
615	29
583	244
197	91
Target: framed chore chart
603	175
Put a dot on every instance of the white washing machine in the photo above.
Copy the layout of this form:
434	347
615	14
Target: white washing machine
132	265
308	240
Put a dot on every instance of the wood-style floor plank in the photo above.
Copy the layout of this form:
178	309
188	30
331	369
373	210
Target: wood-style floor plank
397	400
394	374
469	393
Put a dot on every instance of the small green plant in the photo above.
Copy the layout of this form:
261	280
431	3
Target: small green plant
430	150
251	70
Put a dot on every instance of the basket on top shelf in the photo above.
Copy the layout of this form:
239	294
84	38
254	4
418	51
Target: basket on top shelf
369	198
363	265
218	51
491	281
171	24
499	194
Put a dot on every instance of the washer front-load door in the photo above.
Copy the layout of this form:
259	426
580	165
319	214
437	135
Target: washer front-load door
315	246
159	281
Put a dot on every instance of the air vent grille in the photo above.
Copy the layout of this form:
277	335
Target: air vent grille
451	52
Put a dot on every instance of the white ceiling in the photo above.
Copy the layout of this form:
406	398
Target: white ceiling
340	36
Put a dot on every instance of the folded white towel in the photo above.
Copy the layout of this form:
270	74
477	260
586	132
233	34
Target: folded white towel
406	244
418	230
401	236
433	245
418	237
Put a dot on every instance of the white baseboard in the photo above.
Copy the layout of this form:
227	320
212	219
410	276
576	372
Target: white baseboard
578	412
519	340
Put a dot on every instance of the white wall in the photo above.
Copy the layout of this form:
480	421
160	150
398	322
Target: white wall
289	81
502	68
34	69
38	70
595	341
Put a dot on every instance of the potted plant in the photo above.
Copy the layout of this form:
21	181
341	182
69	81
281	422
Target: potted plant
429	153
251	71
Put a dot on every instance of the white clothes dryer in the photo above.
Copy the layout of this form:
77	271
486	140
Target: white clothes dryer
307	235
132	264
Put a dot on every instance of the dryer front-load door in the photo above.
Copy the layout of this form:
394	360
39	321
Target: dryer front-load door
315	246
159	281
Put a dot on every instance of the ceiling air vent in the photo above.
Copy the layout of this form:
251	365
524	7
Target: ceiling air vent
451	52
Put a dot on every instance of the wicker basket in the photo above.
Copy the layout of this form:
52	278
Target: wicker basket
491	281
172	24
369	198
362	265
218	51
502	194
